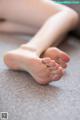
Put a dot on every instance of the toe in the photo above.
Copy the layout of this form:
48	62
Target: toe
57	74
61	62
54	65
54	52
65	57
46	60
60	73
52	71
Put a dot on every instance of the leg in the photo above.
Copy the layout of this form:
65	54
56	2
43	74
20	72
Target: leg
10	27
47	35
34	46
54	53
38	19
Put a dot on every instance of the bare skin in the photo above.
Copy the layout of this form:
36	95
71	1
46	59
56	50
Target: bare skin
58	55
43	70
46	17
54	53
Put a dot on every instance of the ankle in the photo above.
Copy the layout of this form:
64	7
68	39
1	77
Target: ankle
27	47
30	48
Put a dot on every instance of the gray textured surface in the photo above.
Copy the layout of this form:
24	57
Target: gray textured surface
24	99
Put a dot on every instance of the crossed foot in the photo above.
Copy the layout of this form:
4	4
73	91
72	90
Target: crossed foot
49	67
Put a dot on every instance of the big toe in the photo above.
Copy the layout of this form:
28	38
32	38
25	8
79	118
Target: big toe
65	57
59	56
54	53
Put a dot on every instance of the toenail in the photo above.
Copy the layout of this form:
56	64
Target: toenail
66	59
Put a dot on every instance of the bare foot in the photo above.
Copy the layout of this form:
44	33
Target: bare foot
43	70
56	54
